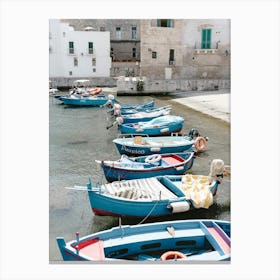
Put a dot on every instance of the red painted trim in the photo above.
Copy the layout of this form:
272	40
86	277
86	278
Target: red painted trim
85	243
223	244
146	171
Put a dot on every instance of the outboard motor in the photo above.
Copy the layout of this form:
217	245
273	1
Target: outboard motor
216	170
194	133
117	109
111	97
119	120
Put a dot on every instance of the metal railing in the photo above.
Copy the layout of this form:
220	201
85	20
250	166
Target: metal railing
198	45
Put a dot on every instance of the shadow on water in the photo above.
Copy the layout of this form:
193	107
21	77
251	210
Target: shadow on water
213	212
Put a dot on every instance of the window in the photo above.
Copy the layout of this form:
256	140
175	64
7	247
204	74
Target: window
71	47
70	73
133	33
102	28
171	57
165	23
90	47
154	54
133	52
93	70
75	61
112	52
206	39
93	61
118	33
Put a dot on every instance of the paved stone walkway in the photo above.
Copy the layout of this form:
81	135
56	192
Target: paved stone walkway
213	103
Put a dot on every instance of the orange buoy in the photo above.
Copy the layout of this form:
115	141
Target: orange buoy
172	255
200	143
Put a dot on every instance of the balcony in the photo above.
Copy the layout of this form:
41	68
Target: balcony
206	48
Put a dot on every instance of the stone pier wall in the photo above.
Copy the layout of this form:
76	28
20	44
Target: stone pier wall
130	86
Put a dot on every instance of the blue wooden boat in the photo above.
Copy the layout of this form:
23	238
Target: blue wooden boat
169	241
145	104
84	100
145	116
142	145
127	112
164	125
155	196
127	168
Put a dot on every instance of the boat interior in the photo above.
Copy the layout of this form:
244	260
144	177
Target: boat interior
146	189
205	242
139	140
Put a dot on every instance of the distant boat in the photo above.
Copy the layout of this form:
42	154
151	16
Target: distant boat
81	94
127	168
141	145
155	196
84	100
170	241
164	125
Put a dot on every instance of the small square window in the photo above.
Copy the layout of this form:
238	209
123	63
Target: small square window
90	47
93	69
70	73
154	54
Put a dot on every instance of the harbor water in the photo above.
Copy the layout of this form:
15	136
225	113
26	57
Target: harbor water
78	137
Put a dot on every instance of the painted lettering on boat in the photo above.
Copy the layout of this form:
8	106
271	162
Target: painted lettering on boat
133	151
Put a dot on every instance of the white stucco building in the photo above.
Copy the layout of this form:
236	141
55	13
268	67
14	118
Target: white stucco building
77	54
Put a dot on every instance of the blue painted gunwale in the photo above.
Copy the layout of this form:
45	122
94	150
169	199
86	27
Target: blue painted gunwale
105	204
136	168
170	124
130	242
129	147
84	101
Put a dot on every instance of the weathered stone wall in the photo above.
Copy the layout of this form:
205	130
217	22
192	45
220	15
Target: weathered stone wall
128	86
127	69
65	83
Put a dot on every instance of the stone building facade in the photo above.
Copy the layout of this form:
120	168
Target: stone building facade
167	54
125	40
185	49
77	54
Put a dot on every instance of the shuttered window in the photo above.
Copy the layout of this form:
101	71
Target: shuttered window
71	47
133	33
90	47
206	39
165	23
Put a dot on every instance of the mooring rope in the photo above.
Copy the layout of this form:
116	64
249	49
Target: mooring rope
147	216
